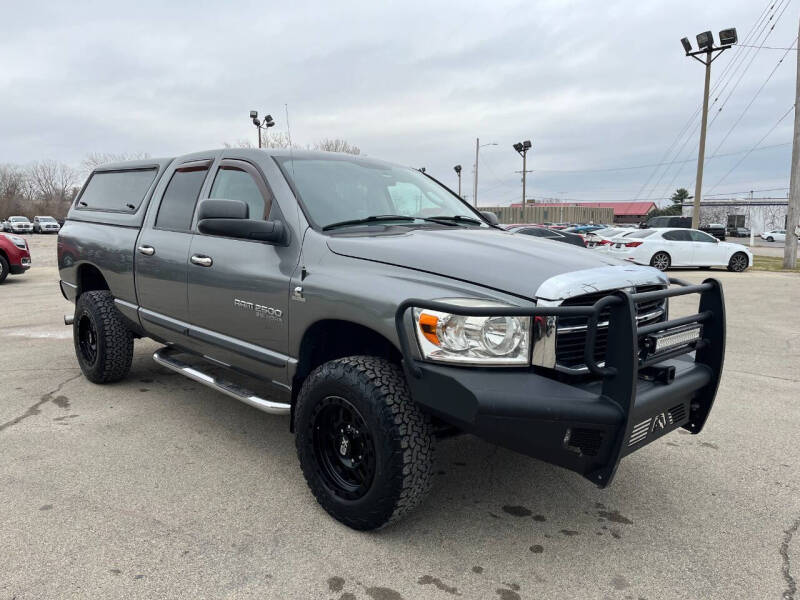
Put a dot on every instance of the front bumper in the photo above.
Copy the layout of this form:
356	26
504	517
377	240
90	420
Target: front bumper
585	425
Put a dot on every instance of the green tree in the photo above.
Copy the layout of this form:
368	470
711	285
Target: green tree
679	196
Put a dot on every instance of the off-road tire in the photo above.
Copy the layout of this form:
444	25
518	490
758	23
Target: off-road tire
661	261
3	268
402	435
736	264
114	341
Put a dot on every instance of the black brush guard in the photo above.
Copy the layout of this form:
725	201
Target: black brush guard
588	424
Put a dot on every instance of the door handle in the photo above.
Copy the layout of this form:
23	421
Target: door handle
146	250
202	261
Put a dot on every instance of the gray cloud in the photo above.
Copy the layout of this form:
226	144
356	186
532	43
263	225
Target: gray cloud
594	84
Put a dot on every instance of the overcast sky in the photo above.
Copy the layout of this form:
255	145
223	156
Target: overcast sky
594	85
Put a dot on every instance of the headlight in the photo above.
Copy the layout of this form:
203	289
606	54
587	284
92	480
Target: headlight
18	242
463	339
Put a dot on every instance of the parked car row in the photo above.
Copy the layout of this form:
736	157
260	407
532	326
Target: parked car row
660	247
40	224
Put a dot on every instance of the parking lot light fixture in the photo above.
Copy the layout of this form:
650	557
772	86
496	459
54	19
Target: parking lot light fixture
457	169
522	149
265	124
705	44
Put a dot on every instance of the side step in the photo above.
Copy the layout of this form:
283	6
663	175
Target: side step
166	358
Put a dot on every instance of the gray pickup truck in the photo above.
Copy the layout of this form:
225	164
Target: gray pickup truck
383	312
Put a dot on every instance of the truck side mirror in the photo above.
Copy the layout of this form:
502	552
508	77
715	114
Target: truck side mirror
229	218
490	216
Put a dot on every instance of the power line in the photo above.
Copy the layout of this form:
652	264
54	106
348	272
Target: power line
758	143
753	99
633	168
760	28
765	47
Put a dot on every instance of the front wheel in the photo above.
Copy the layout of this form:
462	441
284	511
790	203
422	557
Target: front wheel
103	342
770	239
365	448
660	261
3	268
738	262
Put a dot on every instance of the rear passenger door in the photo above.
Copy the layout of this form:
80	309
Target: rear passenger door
679	246
239	289
162	251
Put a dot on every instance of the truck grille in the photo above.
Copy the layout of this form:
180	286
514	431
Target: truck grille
571	331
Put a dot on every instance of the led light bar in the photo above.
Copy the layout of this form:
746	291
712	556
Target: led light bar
666	340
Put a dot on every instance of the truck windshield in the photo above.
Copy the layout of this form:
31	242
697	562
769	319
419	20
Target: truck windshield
338	191
19	220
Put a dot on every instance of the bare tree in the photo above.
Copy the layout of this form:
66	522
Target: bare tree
273	140
337	145
97	159
51	187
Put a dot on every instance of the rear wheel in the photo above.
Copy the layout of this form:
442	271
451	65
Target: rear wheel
365	448
103	342
3	268
738	262
660	261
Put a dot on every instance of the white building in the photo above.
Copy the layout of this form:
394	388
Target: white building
757	214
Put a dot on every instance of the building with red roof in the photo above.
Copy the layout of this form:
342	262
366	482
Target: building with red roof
624	212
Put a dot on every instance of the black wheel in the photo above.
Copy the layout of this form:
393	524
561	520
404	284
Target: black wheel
103	342
738	262
365	448
770	239
3	268
661	261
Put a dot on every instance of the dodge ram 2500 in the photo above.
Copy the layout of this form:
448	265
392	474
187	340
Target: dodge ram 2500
385	312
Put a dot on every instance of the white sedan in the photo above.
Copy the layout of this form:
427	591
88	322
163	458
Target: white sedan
776	235
667	247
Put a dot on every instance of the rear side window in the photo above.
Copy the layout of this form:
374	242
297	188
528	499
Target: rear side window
116	191
177	205
678	235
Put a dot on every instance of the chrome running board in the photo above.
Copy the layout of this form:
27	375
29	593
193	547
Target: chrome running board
166	358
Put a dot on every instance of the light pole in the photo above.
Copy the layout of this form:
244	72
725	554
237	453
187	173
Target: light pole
457	169
705	43
478	146
522	149
265	125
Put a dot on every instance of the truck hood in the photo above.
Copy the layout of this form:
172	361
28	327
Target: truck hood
513	263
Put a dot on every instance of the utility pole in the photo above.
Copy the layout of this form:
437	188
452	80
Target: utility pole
705	43
793	212
478	146
457	169
475	185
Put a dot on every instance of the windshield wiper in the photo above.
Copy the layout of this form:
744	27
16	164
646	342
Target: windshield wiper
456	218
367	220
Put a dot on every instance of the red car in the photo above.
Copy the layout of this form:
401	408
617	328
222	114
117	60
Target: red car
14	255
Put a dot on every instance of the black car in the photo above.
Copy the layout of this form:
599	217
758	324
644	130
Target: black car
549	234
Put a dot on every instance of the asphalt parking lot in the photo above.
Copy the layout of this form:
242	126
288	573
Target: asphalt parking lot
157	487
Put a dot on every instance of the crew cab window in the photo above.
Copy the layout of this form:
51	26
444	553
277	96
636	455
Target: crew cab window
679	235
116	191
233	183
177	205
699	236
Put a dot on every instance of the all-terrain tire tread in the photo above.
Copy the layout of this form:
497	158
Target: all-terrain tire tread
115	346
408	436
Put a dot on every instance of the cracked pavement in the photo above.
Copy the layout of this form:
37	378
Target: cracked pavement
158	487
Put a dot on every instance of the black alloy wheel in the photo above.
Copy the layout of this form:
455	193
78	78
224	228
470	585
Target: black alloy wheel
344	448
87	339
